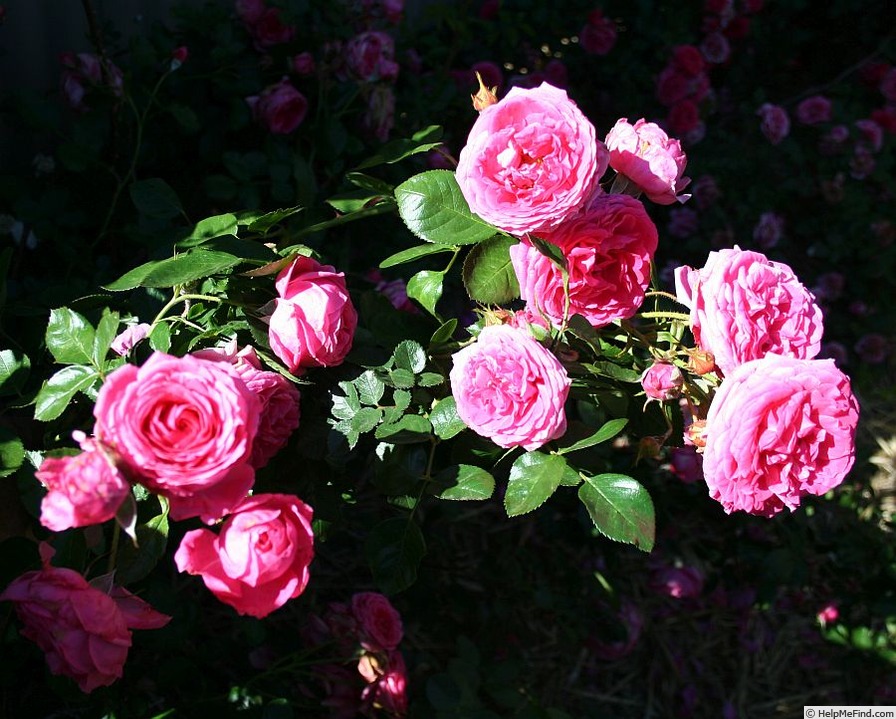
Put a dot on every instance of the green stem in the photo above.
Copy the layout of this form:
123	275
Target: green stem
666	316
182	298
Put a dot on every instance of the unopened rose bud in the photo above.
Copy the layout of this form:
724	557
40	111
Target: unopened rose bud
485	97
662	381
700	362
179	56
695	434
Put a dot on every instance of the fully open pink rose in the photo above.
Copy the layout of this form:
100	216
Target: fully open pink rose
779	428
379	622
370	56
608	250
744	306
647	156
530	161
280	108
510	388
280	400
314	321
185	426
260	559
83	632
83	489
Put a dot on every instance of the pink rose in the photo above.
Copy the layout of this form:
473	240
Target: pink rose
684	120
715	48
598	36
828	614
673	86
259	560
510	388
608	250
686	464
779	428
185	426
647	156
388	689
768	230
280	400
688	60
379	622
814	110
82	631
280	108
775	123
314	321
83	489
269	30
677	582
396	291
370	56
872	134
83	71
530	161
250	11
130	337
662	381
303	64
744	306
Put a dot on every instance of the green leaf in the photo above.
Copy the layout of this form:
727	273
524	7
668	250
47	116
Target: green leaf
410	356
414	253
14	371
134	563
444	334
534	477
12	452
488	272
365	419
379	209
446	423
433	208
372	184
394	549
57	392
209	228
263	223
155	198
608	431
466	482
356	200
160	337
106	331
69	337
370	388
551	251
409	429
187	267
344	407
620	508
402	378
397	150
430	379
614	371
426	288
571	477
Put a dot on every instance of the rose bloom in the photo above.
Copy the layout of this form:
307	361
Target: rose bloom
715	48
185	426
775	123
647	156
872	134
744	306
779	428
280	400
387	685
303	64
510	388
672	85
83	489
814	110
259	560
249	11
379	622
83	71
684	120
662	381
129	338
598	36
269	30
370	56
608	250
314	321
886	118
530	161
686	464
279	108
677	582
83	632
688	60
768	231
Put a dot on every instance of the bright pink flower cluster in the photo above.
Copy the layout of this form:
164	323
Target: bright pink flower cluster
83	631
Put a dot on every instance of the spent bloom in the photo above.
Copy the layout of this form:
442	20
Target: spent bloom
779	428
530	161
510	388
